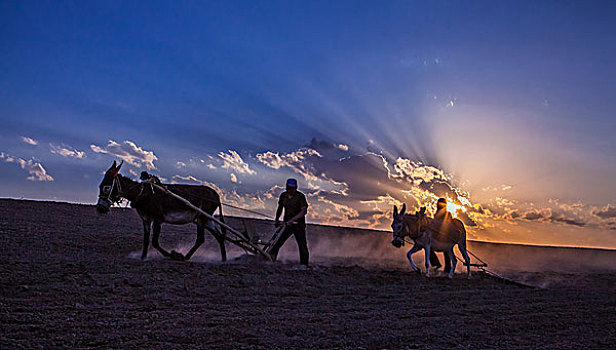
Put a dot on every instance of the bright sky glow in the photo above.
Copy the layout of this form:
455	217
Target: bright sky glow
507	108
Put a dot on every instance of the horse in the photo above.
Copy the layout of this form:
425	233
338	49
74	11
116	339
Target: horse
429	234
156	208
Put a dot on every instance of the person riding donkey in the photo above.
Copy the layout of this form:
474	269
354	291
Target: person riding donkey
295	208
442	219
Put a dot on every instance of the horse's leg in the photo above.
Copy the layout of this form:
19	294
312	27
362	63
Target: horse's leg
220	238
467	260
198	242
156	234
427	258
409	256
451	256
146	238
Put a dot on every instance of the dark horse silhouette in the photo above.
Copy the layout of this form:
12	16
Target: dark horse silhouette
156	208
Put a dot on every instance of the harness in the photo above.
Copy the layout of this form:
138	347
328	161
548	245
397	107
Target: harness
419	230
116	182
108	198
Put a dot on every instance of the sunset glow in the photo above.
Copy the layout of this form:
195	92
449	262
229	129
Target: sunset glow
397	102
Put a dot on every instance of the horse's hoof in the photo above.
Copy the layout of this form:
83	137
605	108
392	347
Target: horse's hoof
176	256
418	271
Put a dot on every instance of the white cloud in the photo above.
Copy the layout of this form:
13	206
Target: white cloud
29	140
293	160
129	152
234	162
66	151
34	167
233	178
416	172
343	147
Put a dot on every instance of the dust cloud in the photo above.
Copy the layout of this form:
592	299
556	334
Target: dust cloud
331	245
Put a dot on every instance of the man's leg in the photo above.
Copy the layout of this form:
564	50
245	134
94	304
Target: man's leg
284	235
302	244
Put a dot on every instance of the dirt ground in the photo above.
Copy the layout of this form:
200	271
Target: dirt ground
72	278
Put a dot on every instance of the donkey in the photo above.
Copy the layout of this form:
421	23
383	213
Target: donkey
430	235
156	208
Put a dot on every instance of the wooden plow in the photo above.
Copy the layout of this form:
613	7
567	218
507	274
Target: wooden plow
254	246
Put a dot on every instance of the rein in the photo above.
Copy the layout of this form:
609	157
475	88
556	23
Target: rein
120	194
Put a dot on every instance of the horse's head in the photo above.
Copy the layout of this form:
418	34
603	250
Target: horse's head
406	225
109	189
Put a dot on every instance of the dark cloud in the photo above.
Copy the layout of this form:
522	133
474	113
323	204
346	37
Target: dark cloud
568	221
607	212
533	215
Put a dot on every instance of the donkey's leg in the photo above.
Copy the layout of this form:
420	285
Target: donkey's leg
198	242
220	238
146	238
156	227
451	256
427	258
409	256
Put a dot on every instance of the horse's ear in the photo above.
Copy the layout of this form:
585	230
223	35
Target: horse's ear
395	211
403	210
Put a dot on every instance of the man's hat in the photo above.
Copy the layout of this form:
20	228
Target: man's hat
291	183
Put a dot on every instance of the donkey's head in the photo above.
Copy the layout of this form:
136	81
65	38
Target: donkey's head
109	189
407	224
398	227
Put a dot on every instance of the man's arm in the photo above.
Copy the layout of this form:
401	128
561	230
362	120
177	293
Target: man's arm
278	213
301	214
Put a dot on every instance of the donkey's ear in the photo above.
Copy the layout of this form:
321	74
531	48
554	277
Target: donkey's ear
119	166
395	211
113	167
422	210
403	210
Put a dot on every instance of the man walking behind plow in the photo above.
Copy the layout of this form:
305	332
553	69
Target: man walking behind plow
295	208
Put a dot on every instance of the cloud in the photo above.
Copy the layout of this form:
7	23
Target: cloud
294	160
234	162
29	140
416	172
66	151
129	152
233	178
605	213
343	147
190	178
35	168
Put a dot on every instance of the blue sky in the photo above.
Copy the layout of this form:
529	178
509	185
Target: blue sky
513	95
